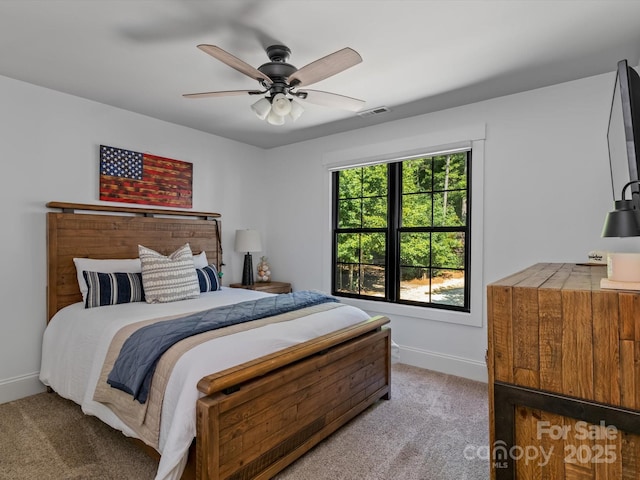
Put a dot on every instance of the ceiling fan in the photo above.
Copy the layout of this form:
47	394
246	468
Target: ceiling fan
280	81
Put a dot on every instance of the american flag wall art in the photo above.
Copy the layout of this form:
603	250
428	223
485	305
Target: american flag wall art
134	177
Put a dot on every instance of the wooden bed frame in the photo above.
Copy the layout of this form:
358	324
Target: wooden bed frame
256	418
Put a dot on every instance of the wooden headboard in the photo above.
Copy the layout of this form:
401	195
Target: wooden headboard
76	230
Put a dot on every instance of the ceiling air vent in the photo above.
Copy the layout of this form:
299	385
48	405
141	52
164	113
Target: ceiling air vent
374	111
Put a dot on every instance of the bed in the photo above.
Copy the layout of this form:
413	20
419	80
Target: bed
229	411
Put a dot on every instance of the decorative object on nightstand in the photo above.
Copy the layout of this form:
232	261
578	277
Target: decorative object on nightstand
247	241
264	271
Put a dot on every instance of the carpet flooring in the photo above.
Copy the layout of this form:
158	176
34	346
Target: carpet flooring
435	427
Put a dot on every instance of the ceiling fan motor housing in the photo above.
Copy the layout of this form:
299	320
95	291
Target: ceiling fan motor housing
278	70
278	53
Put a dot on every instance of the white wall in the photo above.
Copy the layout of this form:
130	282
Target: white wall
49	152
546	193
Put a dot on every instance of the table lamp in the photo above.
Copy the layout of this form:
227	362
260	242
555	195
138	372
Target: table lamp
247	241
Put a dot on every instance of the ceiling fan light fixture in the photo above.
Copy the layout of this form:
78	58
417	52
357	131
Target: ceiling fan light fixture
278	79
275	119
296	110
262	108
280	105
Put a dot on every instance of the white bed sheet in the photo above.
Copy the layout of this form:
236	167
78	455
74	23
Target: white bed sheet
76	341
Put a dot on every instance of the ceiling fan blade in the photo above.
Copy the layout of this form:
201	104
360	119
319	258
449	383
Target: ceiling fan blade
334	100
235	62
228	93
325	67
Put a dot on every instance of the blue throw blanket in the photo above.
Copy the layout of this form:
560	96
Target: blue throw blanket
140	353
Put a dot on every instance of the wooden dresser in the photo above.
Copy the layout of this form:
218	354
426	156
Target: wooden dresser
564	375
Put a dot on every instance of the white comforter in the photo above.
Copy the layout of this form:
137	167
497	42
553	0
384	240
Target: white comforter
76	341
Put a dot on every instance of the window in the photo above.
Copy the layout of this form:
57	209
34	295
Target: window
401	231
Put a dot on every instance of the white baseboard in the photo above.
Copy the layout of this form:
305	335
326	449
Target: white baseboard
19	387
449	364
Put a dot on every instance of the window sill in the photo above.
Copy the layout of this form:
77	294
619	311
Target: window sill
425	313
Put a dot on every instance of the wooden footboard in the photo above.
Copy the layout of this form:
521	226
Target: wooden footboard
259	417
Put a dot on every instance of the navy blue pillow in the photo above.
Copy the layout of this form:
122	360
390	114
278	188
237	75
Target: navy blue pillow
208	278
112	288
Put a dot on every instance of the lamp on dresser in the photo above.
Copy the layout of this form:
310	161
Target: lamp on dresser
247	241
624	220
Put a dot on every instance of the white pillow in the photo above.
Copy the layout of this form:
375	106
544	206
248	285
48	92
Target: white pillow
168	278
119	265
200	260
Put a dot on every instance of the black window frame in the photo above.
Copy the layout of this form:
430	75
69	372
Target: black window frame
394	230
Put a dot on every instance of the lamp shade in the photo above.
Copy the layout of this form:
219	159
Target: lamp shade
296	110
247	241
262	108
280	105
624	221
275	119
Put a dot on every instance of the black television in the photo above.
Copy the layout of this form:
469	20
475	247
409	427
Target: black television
623	134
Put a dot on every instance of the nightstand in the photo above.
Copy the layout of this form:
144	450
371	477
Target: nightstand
269	287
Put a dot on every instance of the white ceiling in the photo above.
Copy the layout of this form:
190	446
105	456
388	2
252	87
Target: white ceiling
418	56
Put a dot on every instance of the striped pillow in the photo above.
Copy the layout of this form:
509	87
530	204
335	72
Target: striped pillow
168	278
112	288
208	278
